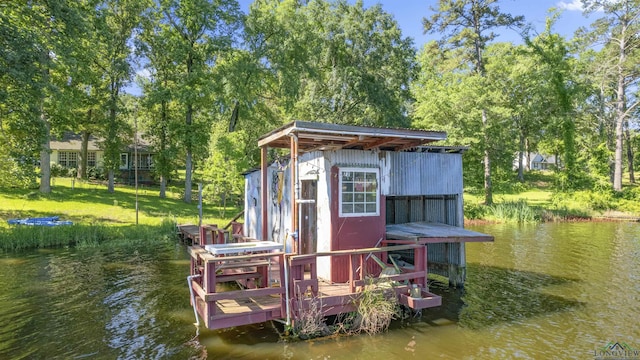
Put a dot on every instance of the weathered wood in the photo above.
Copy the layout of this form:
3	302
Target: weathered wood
428	232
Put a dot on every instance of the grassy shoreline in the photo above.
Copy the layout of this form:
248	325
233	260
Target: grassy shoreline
100	218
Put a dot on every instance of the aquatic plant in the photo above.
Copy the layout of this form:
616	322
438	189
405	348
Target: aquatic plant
309	321
377	305
515	211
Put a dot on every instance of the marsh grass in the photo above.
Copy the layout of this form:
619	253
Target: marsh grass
515	211
83	236
377	306
309	319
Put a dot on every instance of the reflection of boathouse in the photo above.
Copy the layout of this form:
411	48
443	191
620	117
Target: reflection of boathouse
345	203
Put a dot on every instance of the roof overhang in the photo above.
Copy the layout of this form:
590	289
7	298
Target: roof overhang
429	233
313	136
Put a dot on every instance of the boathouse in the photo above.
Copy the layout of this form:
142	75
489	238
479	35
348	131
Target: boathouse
330	206
352	184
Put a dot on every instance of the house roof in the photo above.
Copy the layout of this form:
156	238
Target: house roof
322	136
71	141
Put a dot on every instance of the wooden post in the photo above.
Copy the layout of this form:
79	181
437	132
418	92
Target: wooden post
420	263
263	193
294	192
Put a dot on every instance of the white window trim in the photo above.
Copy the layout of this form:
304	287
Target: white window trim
125	167
356	169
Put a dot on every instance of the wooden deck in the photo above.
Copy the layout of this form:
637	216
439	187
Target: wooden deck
212	233
270	295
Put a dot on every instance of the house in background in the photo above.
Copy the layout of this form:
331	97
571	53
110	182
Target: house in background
65	152
542	162
537	161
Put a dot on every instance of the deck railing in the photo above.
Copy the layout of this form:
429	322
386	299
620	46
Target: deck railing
296	277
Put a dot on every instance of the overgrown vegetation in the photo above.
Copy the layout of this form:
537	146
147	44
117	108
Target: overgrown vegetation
541	198
376	306
83	236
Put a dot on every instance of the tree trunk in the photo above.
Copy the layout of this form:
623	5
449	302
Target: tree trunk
110	185
187	181
45	157
630	155
163	187
189	119
188	162
521	159
488	191
82	160
620	111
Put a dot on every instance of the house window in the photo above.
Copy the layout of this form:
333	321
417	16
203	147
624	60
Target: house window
91	159
145	161
68	159
124	161
359	192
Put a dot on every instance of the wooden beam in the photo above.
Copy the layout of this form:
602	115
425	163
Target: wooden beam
263	193
379	143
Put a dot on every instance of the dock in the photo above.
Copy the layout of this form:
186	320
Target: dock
280	286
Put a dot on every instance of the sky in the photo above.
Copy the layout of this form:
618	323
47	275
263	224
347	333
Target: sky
409	14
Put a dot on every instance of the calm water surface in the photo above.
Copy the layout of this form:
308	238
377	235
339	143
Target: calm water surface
539	291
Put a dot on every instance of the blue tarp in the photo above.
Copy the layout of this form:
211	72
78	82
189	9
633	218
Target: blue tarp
41	221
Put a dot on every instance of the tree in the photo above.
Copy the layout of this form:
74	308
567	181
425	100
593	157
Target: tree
468	26
42	62
551	52
160	118
115	23
200	31
617	31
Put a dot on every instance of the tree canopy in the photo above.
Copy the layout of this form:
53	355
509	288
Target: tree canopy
212	79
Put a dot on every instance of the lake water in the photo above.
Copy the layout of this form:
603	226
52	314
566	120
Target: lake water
540	291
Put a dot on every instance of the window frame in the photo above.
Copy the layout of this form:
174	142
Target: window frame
92	157
126	166
341	193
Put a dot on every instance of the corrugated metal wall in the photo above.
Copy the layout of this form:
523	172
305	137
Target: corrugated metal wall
424	173
441	209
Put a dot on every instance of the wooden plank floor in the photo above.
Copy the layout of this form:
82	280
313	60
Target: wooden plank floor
253	304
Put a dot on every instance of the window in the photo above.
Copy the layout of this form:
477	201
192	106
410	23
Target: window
68	159
91	159
124	161
145	161
359	192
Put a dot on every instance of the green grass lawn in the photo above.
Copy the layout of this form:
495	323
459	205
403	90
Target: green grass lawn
90	203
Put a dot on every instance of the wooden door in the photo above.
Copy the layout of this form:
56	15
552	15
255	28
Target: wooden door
308	217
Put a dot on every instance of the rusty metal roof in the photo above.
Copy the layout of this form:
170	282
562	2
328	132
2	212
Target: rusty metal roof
322	136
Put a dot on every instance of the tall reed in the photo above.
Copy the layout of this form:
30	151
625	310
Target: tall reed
23	237
515	211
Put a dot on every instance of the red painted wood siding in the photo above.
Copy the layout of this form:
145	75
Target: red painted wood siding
352	232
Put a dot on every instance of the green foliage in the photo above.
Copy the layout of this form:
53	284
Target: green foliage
514	211
229	157
474	211
29	237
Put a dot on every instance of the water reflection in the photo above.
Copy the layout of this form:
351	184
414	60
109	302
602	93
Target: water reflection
543	291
